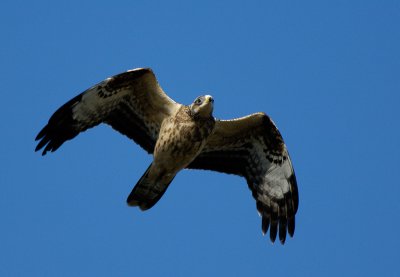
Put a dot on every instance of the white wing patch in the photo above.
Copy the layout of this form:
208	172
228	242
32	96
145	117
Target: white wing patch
93	107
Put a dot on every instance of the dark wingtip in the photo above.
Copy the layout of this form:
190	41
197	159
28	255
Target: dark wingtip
294	192
282	230
291	226
277	225
264	224
37	147
41	144
42	133
60	128
273	230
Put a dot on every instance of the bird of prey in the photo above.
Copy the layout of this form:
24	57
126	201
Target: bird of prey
180	137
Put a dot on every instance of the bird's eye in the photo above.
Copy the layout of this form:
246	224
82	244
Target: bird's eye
198	101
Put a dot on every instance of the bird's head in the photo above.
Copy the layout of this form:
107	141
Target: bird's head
202	106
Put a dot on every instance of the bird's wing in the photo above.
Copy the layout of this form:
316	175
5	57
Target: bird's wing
132	102
253	147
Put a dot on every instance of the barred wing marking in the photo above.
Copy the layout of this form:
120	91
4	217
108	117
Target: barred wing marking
132	103
253	147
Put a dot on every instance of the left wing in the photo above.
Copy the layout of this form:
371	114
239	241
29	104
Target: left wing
133	103
252	147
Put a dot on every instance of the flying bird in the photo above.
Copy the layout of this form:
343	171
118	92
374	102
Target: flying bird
180	137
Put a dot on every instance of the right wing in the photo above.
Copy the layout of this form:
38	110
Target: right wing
253	147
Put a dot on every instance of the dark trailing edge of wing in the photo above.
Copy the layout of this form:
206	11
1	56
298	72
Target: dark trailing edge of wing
230	162
60	128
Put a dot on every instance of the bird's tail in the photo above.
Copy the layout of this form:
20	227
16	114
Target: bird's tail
148	191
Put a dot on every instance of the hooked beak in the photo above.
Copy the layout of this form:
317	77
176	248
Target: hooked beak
209	99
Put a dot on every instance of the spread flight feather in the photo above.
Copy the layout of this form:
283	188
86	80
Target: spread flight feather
179	137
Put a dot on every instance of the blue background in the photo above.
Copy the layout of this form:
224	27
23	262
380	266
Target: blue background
327	72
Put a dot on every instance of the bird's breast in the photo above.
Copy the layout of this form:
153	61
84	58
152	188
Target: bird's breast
179	142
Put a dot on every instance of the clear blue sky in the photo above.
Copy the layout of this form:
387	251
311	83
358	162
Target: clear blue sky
327	72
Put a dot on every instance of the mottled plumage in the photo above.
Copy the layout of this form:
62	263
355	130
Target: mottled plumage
182	137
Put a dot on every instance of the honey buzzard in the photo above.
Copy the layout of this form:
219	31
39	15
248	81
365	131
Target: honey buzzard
182	137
